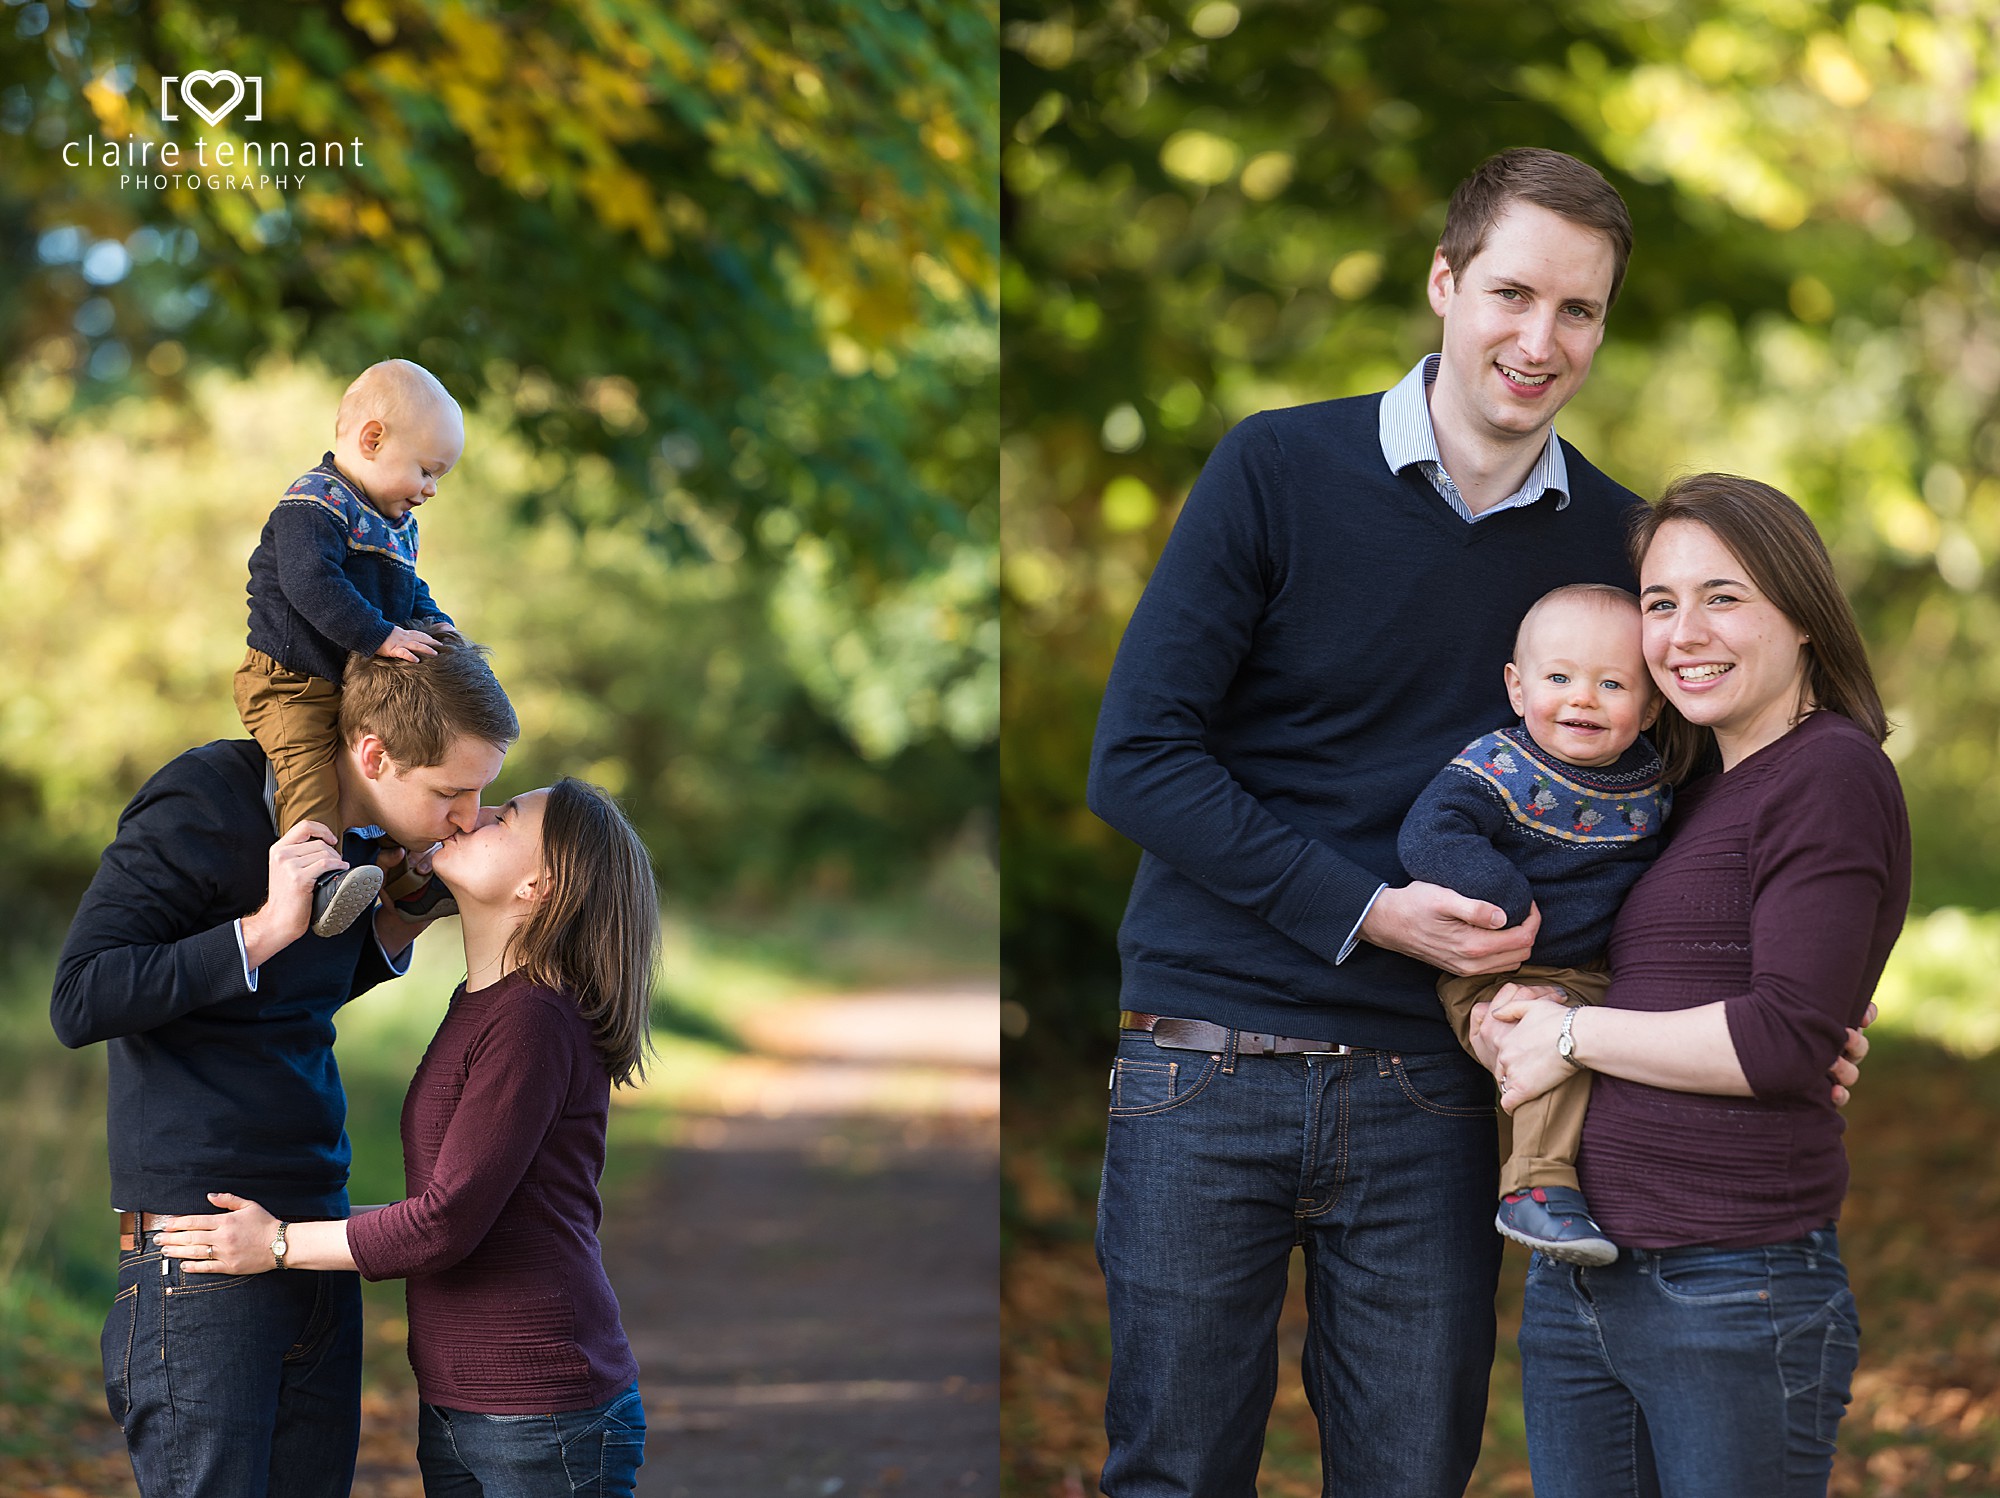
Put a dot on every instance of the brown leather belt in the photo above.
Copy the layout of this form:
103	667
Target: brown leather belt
1200	1035
132	1224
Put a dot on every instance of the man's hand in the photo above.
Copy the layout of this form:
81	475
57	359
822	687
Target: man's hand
406	645
393	929
1846	1068
297	860
396	931
1444	928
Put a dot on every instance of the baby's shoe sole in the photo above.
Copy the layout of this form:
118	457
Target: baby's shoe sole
339	904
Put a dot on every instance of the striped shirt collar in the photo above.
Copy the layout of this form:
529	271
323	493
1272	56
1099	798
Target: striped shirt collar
1408	437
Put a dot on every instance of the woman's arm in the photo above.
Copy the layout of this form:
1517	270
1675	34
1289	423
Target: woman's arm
238	1240
1827	857
1676	1050
1683	1050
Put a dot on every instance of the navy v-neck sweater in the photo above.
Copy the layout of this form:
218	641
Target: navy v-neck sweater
1320	634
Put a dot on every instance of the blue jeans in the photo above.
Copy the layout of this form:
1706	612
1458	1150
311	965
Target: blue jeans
234	1386
1384	1167
593	1453
1695	1371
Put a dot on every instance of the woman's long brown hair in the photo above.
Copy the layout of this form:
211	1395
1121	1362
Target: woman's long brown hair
1775	541
595	933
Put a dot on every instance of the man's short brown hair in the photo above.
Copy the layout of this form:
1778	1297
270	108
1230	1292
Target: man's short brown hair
1548	179
418	709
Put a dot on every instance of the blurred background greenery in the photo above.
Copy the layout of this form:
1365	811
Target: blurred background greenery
1211	207
717	285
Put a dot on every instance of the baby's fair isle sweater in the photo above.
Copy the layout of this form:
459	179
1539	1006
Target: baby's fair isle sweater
331	574
1509	823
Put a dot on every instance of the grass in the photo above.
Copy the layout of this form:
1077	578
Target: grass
57	1254
1920	1233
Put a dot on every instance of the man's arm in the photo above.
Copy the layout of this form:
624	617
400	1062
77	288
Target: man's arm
1152	776
150	942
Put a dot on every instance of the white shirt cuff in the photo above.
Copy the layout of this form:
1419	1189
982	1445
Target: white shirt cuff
1354	936
249	972
398	966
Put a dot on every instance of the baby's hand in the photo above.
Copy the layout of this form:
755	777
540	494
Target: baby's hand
407	645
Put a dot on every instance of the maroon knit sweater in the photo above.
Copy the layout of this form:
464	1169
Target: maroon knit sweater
503	1143
1782	888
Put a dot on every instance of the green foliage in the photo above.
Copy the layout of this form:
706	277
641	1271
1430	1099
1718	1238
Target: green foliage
123	535
1216	207
741	253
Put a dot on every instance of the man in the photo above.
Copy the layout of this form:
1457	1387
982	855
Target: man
189	957
1327	625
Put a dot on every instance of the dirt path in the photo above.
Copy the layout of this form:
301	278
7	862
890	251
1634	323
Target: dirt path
810	1279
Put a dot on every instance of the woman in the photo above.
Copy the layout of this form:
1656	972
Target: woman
1714	1356
503	1141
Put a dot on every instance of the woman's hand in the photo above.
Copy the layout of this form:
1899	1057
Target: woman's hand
1846	1068
1484	1038
236	1242
1522	1026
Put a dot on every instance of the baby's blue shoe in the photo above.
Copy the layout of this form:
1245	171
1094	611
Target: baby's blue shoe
1556	1221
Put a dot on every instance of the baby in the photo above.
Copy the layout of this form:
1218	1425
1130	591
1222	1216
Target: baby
336	571
1564	812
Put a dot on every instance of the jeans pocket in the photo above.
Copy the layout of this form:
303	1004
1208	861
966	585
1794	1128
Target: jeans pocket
1446	1082
1159	1081
120	1326
1822	1350
1715	1279
1840	1353
609	1441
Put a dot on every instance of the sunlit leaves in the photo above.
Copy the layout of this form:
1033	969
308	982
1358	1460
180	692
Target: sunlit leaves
1813	300
699	199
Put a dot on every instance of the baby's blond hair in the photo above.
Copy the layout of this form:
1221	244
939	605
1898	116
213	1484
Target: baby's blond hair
393	391
1603	593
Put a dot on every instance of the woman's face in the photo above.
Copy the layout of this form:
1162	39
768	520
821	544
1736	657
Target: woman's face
1722	652
500	857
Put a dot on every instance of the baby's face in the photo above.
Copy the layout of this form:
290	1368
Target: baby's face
400	462
1580	681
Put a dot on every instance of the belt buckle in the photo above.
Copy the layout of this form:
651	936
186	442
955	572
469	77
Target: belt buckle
1339	1050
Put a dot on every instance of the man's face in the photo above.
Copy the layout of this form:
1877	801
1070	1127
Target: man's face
1522	321
402	463
424	804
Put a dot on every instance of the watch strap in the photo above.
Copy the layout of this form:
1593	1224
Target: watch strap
1566	1041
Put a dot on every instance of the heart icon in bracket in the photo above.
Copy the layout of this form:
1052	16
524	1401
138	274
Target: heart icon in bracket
212	113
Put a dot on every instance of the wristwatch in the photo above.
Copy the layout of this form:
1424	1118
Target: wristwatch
1566	1042
279	1247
